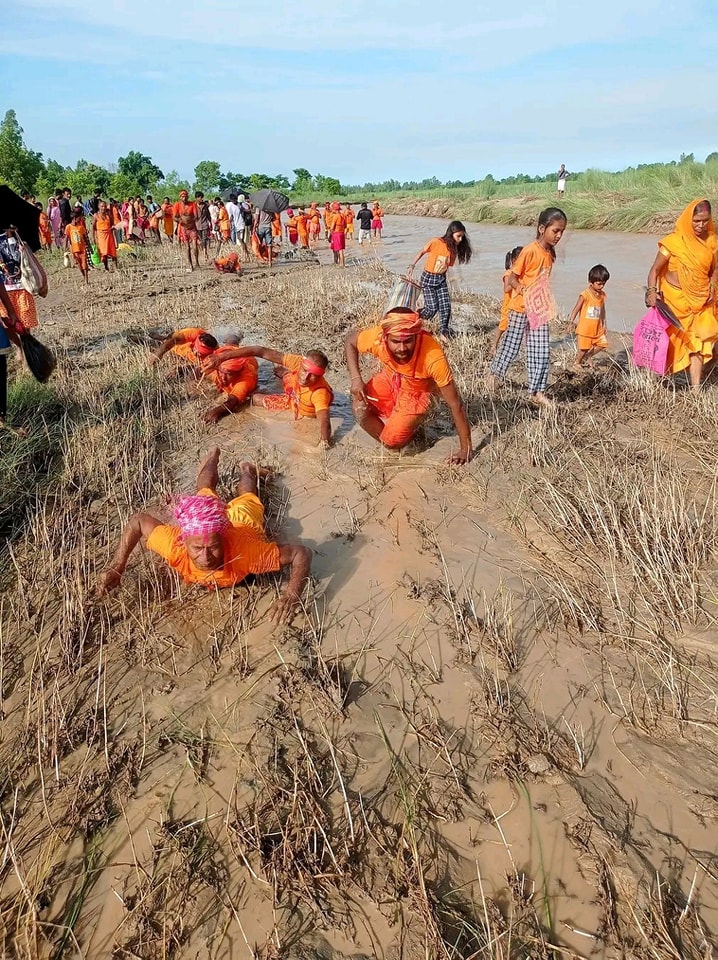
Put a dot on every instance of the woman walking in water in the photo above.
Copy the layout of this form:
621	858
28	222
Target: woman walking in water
441	253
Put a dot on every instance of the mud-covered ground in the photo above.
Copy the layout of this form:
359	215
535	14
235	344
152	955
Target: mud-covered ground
491	732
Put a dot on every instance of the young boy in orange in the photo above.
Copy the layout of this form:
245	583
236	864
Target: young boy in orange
215	544
589	316
306	392
393	404
76	239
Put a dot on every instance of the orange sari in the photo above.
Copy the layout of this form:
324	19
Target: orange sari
692	259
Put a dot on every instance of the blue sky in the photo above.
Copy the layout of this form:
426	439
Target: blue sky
364	90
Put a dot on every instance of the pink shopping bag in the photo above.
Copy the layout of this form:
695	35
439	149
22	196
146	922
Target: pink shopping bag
650	343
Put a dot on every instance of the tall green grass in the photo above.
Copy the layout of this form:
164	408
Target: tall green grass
636	199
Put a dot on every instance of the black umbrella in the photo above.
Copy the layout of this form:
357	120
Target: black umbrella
16	212
225	194
271	201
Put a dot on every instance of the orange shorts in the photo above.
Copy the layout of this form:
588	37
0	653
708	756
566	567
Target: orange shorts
402	414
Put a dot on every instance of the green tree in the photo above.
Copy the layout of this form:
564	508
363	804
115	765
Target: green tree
88	177
303	182
52	177
328	185
141	169
19	167
172	184
229	179
122	186
207	176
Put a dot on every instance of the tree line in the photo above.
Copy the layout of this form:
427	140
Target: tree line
136	174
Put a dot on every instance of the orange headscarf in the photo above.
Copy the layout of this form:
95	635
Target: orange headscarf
694	256
402	324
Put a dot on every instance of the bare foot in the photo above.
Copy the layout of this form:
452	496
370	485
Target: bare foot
541	400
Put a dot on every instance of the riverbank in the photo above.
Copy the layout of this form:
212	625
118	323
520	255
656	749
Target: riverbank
614	212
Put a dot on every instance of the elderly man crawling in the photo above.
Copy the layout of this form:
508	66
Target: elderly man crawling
216	544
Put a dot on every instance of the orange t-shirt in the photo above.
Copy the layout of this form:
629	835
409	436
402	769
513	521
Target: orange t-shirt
438	256
236	381
186	338
77	234
531	263
308	401
427	367
590	322
245	551
336	222
505	306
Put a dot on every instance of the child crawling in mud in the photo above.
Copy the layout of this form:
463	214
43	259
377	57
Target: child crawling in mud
306	392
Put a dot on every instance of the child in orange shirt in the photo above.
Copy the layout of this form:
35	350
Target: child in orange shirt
529	275
506	302
441	253
589	316
76	239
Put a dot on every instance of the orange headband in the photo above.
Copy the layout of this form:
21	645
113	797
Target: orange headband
311	367
402	325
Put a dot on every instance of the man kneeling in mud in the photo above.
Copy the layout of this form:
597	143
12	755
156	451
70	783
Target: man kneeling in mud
214	544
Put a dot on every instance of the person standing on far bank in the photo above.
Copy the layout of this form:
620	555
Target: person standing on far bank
563	176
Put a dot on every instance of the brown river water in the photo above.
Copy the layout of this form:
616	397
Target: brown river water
627	256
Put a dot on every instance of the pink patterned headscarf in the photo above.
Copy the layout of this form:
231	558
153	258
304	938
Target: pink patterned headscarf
200	515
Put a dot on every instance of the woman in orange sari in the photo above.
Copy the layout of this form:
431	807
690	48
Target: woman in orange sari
684	275
168	222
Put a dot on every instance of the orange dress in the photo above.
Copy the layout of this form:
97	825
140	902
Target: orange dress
277	225
168	222
292	230
223	224
105	236
303	229
315	224
45	230
349	221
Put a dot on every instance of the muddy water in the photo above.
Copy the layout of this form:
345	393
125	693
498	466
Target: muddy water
627	257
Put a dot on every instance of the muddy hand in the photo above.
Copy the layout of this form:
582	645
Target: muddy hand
282	610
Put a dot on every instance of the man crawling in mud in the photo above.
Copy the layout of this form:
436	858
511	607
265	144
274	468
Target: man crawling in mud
216	544
393	404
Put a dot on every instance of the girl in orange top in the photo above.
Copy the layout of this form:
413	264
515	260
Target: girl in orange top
76	238
506	301
377	224
349	217
441	253
685	275
533	266
589	316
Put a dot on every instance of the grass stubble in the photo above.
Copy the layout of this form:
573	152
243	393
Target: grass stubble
177	780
